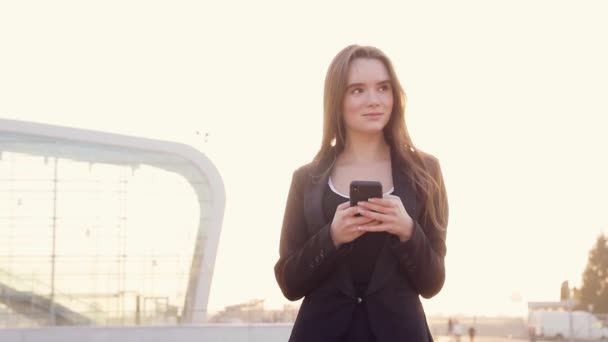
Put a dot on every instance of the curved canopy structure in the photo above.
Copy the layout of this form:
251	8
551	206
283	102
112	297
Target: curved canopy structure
106	228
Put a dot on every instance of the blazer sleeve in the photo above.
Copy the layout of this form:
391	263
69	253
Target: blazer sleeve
305	259
422	257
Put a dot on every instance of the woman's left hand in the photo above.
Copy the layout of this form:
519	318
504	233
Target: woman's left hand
392	216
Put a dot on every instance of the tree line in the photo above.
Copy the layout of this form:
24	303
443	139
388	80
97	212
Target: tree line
593	292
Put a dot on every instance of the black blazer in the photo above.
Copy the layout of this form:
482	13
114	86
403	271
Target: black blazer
311	267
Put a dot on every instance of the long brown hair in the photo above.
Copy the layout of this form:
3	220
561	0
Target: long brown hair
428	182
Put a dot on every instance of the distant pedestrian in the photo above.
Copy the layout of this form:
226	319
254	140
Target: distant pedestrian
532	333
450	327
472	334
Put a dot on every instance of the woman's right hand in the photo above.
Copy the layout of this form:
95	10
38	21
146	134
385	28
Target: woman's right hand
345	225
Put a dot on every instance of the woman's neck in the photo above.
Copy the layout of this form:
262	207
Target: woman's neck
365	148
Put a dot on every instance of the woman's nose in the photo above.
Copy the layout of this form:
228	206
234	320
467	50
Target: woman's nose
373	98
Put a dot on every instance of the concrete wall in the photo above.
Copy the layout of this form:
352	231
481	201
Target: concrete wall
204	333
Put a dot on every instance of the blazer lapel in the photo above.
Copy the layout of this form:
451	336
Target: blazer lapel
385	267
315	218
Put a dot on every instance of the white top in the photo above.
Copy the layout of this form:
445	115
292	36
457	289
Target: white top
333	188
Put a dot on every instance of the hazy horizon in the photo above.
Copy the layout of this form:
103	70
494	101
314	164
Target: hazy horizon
510	97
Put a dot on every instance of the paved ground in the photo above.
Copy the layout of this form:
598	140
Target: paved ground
479	339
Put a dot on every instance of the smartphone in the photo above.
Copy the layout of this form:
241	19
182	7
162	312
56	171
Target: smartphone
364	190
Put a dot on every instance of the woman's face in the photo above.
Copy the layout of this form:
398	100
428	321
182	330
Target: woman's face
368	101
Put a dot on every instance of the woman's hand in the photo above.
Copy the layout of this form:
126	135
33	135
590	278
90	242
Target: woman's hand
347	227
390	214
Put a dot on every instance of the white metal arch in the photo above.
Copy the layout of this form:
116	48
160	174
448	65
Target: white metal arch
197	169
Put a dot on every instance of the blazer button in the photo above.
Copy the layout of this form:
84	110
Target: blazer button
359	300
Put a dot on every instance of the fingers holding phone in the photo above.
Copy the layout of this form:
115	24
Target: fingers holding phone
391	215
345	226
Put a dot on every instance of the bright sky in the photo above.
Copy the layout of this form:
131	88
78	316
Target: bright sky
510	96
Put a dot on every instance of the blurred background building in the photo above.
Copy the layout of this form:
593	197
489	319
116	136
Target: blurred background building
104	229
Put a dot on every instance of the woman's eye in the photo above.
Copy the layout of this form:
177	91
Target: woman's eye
356	91
385	88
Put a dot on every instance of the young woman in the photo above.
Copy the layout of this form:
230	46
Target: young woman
361	269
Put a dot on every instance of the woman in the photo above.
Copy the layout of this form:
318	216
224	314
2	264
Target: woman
361	269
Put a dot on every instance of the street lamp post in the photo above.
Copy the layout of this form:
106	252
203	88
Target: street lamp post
52	319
